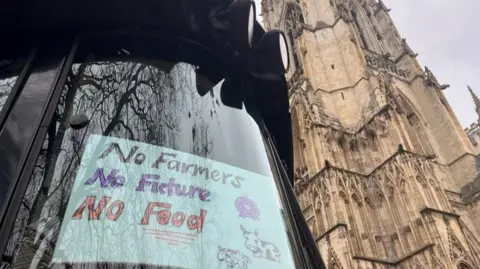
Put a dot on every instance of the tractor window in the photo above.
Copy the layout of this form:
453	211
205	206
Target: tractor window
138	170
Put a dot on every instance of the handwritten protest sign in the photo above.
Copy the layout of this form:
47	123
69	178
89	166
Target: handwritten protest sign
135	203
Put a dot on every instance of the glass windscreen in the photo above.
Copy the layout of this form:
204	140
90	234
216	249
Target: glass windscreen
10	67
12	61
138	170
6	85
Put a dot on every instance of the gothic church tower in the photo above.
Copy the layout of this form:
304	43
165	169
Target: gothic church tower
381	160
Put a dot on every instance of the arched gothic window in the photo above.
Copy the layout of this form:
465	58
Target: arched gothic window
294	25
429	193
359	30
320	214
298	145
328	210
357	224
415	128
366	30
420	133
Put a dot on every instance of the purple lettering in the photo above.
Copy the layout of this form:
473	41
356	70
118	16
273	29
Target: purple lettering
143	181
154	187
171	185
204	195
162	187
181	190
112	179
149	182
192	191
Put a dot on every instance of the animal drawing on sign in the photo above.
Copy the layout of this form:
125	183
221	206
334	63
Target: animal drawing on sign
260	248
247	208
233	258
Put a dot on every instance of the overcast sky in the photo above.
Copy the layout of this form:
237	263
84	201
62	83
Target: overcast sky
447	38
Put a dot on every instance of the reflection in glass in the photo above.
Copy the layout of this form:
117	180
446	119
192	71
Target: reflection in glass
10	68
155	104
6	85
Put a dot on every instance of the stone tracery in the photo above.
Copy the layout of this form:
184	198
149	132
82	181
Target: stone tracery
293	28
389	199
381	191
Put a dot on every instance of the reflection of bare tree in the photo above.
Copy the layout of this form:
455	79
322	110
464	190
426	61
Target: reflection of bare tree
129	100
6	86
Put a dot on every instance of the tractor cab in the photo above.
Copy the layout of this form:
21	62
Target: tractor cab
147	134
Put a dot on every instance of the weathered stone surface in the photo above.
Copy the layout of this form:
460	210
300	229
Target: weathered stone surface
384	171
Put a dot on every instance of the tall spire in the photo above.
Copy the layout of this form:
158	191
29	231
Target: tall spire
476	100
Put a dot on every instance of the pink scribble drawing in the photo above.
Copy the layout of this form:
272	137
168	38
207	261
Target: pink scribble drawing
247	208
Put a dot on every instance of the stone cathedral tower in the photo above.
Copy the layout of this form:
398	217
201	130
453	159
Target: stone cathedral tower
381	160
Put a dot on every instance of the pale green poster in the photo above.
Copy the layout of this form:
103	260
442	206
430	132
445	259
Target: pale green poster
135	203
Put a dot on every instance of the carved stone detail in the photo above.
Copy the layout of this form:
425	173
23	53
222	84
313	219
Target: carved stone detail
456	250
342	10
407	49
295	20
432	81
333	260
382	6
296	80
383	62
377	32
366	171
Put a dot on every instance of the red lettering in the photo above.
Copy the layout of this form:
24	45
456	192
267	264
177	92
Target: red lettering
114	216
196	222
178	219
149	211
163	217
93	213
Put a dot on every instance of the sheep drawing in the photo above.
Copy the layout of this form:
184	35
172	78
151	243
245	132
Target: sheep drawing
260	248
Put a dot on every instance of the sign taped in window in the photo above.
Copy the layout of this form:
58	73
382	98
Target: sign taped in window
135	203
